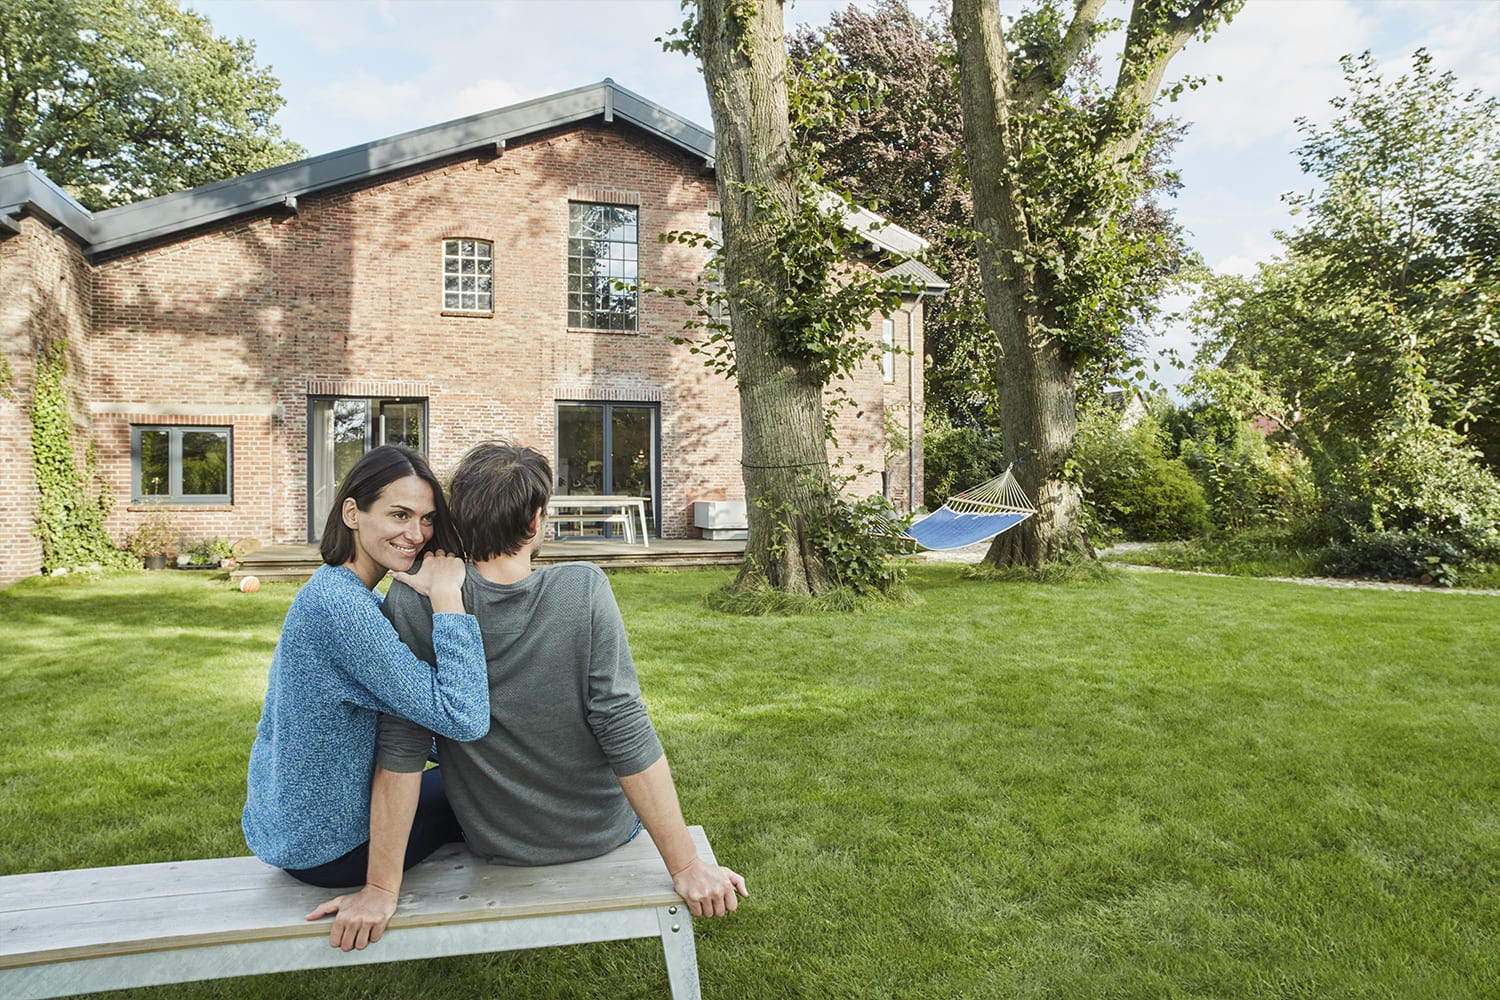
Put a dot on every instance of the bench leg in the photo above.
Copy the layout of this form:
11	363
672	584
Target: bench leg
681	954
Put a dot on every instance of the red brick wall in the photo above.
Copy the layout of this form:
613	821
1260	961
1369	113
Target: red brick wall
44	298
235	325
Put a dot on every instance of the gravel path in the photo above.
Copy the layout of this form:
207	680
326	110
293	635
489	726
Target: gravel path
974	553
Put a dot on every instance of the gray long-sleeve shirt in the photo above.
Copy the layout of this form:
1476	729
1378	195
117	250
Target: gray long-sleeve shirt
566	718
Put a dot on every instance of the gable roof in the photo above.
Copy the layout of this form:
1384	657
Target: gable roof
24	188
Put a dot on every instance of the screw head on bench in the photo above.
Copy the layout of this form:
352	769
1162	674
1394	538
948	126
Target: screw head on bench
672	910
676	928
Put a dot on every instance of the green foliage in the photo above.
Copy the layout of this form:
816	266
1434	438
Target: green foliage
119	100
1397	556
1131	483
156	535
1416	478
70	511
1281	551
955	459
1104	242
857	540
1248	479
1372	345
207	552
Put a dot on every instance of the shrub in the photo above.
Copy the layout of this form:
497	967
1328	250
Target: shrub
1421	481
1247	480
856	539
1130	483
958	458
1395	556
155	536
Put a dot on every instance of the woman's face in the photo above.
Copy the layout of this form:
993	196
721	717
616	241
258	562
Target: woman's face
393	531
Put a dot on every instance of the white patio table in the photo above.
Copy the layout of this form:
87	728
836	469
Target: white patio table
577	507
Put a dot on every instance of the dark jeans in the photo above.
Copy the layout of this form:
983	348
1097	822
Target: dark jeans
432	827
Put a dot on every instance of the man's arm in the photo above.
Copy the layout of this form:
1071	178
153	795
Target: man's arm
362	916
708	889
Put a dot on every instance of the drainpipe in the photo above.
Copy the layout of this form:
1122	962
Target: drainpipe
911	413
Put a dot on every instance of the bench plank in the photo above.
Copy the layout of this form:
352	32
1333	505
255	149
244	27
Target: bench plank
61	916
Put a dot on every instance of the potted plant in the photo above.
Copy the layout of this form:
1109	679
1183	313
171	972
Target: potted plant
154	539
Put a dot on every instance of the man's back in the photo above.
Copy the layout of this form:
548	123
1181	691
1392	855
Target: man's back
567	718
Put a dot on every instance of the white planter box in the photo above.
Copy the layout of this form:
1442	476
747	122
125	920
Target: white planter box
721	519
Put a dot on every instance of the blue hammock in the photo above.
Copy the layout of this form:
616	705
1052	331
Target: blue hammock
974	516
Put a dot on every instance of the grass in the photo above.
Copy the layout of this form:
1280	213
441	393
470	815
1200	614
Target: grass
1141	785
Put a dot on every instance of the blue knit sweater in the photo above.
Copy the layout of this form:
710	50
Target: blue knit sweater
339	664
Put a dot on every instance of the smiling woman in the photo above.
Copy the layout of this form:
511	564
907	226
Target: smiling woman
339	665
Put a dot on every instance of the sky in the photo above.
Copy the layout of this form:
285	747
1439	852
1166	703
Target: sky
353	71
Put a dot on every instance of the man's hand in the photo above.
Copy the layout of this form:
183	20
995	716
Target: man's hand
361	919
709	890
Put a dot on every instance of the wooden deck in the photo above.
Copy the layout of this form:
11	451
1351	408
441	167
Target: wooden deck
297	562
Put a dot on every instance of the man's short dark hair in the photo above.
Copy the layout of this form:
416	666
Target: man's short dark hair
493	495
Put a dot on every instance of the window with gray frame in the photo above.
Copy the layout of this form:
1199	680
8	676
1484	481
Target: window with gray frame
602	248
180	464
468	276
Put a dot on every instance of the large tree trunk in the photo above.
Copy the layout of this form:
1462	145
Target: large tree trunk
1038	415
1038	412
785	452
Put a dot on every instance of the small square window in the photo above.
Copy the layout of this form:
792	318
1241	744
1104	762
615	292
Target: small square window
468	269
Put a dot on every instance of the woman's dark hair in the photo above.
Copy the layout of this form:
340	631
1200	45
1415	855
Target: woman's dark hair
370	476
497	489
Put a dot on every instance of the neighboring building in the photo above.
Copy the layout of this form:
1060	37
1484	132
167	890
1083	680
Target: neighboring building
236	347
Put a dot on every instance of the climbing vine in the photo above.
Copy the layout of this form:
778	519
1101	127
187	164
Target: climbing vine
69	513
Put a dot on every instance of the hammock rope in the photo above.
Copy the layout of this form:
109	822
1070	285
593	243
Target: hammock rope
975	515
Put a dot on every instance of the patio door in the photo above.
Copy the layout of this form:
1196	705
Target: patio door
339	432
609	449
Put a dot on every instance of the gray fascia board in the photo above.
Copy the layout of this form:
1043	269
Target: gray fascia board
171	213
25	188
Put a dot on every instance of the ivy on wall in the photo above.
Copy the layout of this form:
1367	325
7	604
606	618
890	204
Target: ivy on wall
69	514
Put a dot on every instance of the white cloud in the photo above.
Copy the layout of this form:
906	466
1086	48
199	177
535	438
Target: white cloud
1278	60
365	98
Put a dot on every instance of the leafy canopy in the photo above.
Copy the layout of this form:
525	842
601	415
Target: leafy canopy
1373	341
120	100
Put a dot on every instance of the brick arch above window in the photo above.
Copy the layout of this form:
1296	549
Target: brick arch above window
359	387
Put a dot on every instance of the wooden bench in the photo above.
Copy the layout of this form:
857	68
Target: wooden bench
94	929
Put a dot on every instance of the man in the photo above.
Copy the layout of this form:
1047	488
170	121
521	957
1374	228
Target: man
571	767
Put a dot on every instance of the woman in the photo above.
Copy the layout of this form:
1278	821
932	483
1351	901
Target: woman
339	664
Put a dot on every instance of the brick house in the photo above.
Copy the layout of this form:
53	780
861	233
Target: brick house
234	348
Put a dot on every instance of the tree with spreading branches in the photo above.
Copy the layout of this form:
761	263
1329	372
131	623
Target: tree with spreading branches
120	100
1055	170
798	297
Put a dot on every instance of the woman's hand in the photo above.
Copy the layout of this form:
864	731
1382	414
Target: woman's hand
361	919
440	579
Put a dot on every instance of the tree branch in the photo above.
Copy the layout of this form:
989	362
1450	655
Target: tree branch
1033	89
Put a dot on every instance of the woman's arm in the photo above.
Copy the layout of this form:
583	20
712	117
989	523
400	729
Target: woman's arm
362	916
451	698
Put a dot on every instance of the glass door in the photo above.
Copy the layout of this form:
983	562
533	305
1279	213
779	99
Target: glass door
339	432
608	449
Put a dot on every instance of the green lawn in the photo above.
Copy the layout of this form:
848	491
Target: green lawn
1148	786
